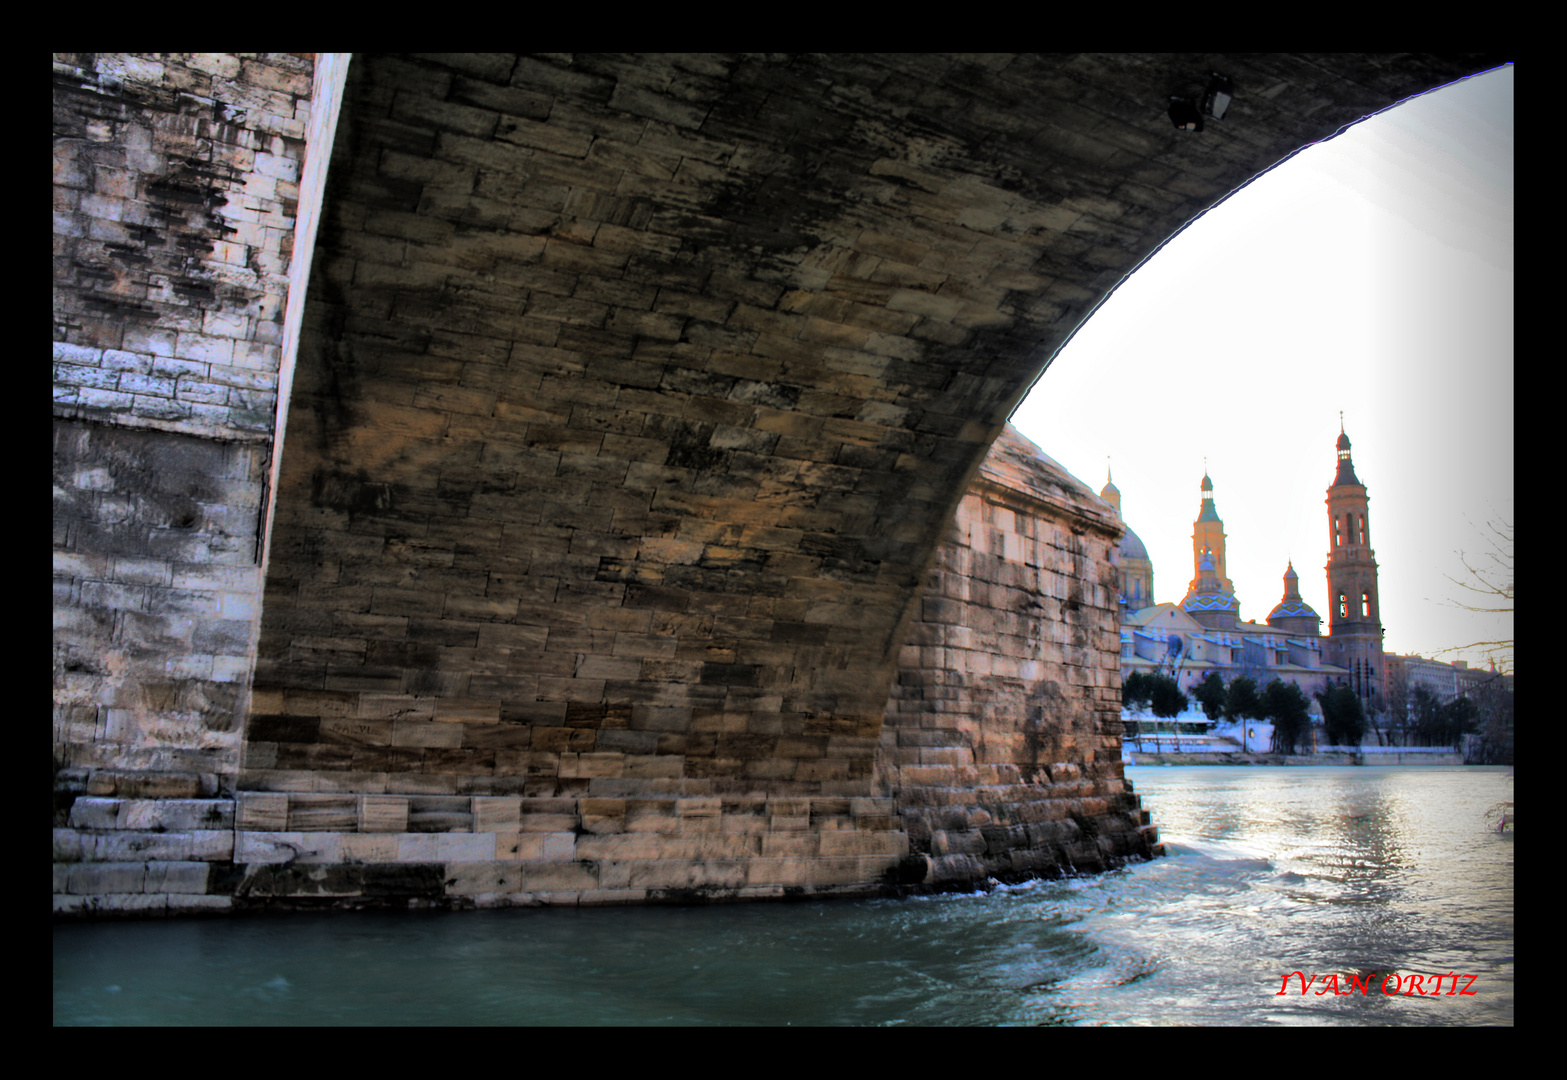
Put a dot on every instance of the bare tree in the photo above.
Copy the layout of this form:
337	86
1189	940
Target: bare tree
1491	575
1394	719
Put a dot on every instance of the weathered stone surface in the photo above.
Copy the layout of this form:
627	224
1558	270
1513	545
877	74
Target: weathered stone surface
1019	669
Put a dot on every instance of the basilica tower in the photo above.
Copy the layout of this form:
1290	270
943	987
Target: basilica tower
1210	598
1208	536
1354	619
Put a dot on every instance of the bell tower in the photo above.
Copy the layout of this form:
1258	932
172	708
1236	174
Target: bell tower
1354	617
1208	538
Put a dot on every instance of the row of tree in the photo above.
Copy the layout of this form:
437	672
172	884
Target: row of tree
1408	715
1282	703
1433	722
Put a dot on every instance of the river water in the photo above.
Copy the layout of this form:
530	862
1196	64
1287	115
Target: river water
1272	871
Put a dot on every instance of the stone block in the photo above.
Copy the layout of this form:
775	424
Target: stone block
71	846
286	848
559	847
346	731
107	877
946	869
602	897
679	874
872	807
320	880
261	811
548	823
88	812
694	809
827	871
368	848
791	845
497	814
174	815
554	876
316	812
196	844
943	843
177	877
476	878
417	848
591	765
465	847
421	733
105	904
846	842
467	711
383	814
653	766
623	846
744	823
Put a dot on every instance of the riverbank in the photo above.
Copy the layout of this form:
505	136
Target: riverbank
1379	757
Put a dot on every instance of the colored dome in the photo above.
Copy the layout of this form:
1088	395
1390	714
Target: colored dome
1132	546
1214	601
1209	594
1290	609
1292	606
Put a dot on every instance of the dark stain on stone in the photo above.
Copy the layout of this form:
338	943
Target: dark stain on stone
405	880
184	514
353	494
296	729
731	674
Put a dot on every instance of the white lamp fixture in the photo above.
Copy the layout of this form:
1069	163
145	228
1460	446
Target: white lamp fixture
1186	115
1216	99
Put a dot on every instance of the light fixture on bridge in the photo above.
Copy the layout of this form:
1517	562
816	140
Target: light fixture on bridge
1216	99
1184	115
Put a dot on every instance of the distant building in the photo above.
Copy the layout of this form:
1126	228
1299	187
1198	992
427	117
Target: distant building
1204	633
1136	568
1445	681
1354	615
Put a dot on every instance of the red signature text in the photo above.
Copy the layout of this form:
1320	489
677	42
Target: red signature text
1364	982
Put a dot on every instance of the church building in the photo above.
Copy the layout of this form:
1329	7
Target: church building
1204	631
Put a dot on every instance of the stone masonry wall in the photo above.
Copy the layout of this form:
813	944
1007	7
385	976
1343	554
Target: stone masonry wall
1002	747
175	190
175	197
1000	759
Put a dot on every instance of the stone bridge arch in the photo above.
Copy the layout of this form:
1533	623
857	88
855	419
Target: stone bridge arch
636	392
633	398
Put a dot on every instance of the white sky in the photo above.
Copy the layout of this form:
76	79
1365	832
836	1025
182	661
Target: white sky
1372	273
